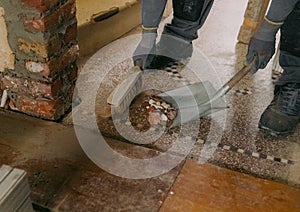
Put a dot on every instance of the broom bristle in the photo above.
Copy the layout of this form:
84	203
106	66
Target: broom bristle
124	93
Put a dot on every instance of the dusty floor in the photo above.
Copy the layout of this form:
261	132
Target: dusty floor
62	177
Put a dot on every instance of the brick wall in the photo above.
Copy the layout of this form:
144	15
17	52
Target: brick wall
42	41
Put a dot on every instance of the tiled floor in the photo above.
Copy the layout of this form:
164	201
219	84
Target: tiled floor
63	178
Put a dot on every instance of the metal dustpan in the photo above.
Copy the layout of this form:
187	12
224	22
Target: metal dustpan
201	99
192	101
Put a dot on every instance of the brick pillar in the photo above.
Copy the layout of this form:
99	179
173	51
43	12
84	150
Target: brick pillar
42	36
253	16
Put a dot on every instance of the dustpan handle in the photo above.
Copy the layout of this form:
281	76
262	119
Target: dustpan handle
240	75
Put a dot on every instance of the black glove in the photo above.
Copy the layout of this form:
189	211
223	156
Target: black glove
262	45
261	51
145	51
171	48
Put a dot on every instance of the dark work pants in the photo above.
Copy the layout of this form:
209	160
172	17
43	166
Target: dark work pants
291	66
188	16
290	48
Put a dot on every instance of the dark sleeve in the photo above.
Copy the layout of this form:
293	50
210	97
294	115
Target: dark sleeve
152	12
280	9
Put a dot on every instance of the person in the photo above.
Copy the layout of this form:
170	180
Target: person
282	116
176	40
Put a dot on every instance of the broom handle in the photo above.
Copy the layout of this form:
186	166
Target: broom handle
239	75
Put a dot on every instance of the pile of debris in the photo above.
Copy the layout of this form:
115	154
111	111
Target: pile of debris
150	111
160	113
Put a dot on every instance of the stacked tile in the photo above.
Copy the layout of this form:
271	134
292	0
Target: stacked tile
14	190
43	37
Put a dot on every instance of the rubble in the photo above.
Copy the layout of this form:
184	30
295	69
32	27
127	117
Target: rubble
148	111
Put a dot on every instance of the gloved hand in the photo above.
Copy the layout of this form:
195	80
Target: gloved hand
145	51
171	48
261	51
262	45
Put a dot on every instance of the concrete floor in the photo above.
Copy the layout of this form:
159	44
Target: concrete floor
62	177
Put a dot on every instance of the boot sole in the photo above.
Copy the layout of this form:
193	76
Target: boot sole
273	133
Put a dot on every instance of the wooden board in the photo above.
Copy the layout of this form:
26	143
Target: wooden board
210	188
92	35
122	16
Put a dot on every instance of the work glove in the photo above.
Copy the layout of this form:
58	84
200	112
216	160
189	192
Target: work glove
171	48
145	51
262	45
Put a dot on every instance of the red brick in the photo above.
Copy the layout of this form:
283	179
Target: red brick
50	68
71	33
51	46
1	85
50	21
33	88
47	109
71	93
68	57
46	55
36	4
71	73
54	45
41	5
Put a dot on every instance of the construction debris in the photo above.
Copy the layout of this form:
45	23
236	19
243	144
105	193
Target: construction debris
148	111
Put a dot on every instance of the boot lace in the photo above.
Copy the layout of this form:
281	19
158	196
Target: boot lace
290	99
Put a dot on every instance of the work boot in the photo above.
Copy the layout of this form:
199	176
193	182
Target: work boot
282	116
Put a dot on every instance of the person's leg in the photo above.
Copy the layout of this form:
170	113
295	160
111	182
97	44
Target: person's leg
282	115
189	16
152	12
177	37
291	65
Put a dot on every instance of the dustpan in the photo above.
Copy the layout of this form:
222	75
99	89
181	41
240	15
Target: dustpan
192	101
201	99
